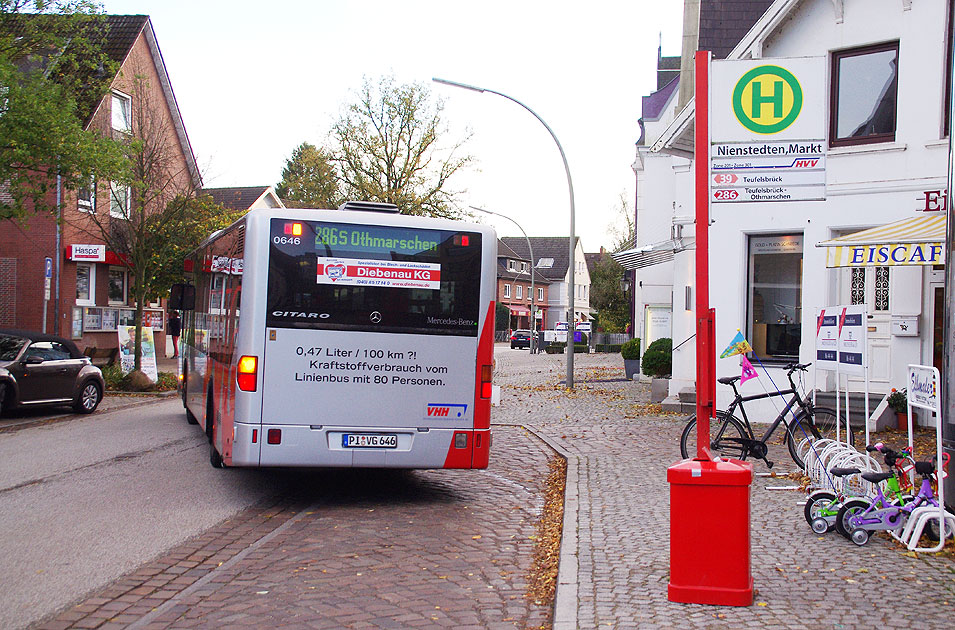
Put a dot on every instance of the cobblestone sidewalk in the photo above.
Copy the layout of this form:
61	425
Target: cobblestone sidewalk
622	523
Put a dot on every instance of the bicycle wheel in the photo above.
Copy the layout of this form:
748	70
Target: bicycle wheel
819	504
820	426
848	509
725	435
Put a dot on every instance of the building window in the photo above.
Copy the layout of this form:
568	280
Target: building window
540	294
118	200
122	113
946	123
882	288
864	95
85	284
86	196
523	267
510	265
519	291
507	290
774	296
117	285
857	286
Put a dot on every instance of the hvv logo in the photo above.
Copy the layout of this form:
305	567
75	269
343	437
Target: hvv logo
443	410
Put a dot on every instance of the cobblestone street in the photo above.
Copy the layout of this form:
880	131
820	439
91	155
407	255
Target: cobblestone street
428	549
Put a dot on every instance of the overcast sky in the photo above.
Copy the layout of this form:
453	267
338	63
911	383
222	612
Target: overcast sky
253	80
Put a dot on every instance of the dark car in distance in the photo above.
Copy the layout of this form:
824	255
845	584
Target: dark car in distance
521	339
41	370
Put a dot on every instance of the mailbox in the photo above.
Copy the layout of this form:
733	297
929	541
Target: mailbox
905	325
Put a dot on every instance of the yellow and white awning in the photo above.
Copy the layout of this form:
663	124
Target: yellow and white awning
917	240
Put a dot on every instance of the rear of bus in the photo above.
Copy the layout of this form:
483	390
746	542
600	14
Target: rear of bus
373	339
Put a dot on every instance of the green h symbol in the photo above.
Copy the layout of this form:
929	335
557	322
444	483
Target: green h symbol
776	99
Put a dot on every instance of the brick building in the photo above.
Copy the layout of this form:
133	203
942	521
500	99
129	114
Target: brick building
514	288
89	285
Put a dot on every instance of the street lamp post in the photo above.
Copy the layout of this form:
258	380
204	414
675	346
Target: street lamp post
530	249
571	268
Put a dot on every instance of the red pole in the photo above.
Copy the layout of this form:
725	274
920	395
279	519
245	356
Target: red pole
705	316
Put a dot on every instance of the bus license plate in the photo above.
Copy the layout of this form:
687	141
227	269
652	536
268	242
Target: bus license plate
366	440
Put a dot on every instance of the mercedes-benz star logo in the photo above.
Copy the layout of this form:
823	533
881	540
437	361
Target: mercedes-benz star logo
375	317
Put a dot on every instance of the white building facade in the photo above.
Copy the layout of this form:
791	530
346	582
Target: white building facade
886	153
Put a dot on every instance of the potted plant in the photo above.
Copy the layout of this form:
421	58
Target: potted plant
658	363
898	401
630	351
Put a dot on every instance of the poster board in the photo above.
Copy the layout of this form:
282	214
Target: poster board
127	350
841	339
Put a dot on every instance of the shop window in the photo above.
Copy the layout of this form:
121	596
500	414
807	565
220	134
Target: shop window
863	95
774	296
117	285
85	284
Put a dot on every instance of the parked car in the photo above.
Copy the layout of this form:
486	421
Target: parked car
521	339
40	370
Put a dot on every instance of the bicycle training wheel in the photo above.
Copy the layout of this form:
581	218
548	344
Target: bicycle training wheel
820	504
725	435
850	508
820	426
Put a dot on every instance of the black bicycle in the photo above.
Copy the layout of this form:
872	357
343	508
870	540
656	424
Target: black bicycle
731	437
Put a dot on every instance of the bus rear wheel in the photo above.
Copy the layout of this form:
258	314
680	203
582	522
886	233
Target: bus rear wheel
214	457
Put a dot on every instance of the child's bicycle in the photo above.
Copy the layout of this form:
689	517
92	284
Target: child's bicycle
897	490
860	517
823	505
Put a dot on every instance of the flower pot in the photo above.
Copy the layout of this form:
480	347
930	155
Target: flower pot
903	419
632	367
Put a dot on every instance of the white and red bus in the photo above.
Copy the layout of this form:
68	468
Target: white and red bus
341	338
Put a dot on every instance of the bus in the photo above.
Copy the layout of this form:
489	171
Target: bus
355	337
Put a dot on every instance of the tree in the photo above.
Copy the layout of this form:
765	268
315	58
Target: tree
52	70
386	148
624	229
154	218
309	179
612	304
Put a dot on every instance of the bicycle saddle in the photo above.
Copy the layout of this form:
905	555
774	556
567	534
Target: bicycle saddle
924	468
875	477
728	380
842	472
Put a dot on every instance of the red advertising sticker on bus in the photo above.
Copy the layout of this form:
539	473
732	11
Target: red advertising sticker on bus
380	273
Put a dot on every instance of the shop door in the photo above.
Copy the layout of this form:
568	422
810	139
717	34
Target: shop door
938	324
870	286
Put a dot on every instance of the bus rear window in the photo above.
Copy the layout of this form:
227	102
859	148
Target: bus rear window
342	276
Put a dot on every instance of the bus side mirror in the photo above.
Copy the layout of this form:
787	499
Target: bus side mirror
182	297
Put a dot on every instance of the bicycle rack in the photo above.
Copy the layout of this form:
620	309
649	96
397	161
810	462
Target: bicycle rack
917	521
824	455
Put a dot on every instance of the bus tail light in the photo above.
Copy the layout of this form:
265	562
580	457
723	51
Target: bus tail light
274	436
246	374
486	371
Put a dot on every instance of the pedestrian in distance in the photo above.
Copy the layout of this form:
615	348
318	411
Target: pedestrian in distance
175	327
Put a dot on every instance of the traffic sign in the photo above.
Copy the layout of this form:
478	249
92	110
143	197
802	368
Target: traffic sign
48	267
768	171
